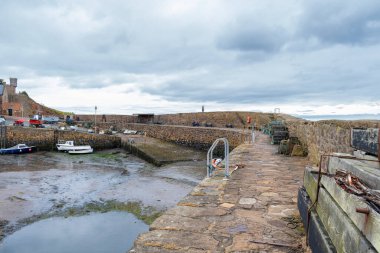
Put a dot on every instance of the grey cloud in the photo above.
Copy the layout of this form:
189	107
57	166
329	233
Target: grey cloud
292	51
346	22
250	36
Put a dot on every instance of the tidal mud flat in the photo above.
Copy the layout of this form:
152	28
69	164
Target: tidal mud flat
48	184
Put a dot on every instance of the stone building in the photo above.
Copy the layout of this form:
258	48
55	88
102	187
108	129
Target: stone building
9	103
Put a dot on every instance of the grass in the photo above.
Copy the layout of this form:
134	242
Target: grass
106	155
146	214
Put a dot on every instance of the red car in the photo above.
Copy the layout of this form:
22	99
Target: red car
19	122
35	122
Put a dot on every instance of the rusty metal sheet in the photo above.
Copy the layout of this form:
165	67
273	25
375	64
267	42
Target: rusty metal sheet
366	140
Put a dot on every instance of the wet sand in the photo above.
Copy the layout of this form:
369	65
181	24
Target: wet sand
47	182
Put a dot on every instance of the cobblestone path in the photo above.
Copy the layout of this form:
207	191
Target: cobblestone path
254	211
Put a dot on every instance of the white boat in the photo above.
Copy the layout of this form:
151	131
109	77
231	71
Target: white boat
80	151
69	146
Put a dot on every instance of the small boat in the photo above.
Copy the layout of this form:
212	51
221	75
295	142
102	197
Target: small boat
80	151
18	149
69	145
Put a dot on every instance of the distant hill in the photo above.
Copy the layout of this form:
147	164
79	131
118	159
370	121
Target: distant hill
21	105
31	107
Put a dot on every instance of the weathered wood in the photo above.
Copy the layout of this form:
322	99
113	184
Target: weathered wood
345	236
367	171
369	226
366	140
319	240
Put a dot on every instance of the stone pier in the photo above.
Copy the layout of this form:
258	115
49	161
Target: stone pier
254	211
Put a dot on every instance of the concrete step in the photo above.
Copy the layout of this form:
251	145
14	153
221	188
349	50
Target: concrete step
344	234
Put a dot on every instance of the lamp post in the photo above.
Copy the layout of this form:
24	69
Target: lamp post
96	108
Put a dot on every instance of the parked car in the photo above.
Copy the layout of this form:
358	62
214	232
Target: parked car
127	131
19	122
2	122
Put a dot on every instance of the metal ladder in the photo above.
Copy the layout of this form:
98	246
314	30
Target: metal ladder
226	157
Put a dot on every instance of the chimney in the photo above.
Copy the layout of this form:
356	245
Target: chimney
13	81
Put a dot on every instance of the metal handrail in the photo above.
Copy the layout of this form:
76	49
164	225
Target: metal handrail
226	156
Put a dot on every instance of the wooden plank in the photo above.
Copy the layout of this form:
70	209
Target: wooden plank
345	236
367	171
369	226
319	240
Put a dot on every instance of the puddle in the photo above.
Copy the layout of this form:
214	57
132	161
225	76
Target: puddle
96	233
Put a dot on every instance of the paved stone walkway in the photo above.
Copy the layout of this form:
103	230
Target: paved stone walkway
255	211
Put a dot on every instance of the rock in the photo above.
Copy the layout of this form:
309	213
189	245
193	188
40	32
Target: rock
297	150
227	205
247	201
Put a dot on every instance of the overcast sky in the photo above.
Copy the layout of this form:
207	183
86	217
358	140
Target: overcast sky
304	57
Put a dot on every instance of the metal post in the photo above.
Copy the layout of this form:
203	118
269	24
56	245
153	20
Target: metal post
95	119
378	145
226	158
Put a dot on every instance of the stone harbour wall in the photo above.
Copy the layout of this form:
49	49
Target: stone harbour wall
96	141
109	118
45	139
197	137
320	137
217	119
324	137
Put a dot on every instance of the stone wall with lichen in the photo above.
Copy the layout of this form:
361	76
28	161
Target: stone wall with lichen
197	137
45	139
217	119
324	137
96	141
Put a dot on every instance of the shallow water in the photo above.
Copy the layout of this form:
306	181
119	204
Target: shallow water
46	184
38	183
95	233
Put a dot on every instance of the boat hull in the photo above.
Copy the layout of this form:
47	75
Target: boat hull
67	146
13	151
70	148
81	151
